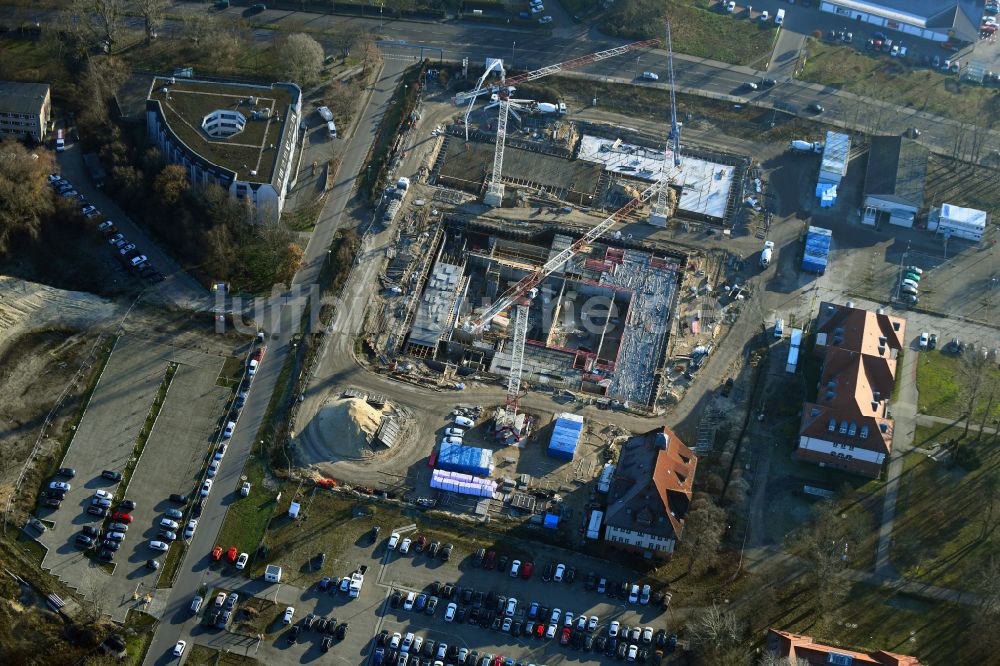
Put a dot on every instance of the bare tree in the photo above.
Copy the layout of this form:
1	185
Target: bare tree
771	659
344	40
102	22
828	542
25	200
704	528
302	57
152	12
717	636
975	365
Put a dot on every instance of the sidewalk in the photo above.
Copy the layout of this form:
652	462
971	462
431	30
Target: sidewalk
930	420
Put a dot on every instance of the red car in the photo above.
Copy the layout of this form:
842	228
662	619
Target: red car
421	542
491	560
122	517
564	640
217	553
232	554
259	354
498	661
539	630
526	570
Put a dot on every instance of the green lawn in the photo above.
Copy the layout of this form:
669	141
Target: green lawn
698	28
945	526
944	383
889	79
247	517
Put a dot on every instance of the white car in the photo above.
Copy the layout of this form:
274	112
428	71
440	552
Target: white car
647	635
650	76
511	607
179	648
568	619
101	494
454	432
168	524
220	452
538	9
289	614
241	561
449	613
407	642
554	618
408	602
451	440
592	623
252	370
63	486
404	547
213	468
560	571
633	595
731	7
196	604
325	113
633	651
228	431
515	568
418	642
394	641
551	631
764	16
613	629
245	489
206	487
644	595
158	545
545	20
751	85
923	340
393	540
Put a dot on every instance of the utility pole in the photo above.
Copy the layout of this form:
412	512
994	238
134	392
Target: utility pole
635	75
512	54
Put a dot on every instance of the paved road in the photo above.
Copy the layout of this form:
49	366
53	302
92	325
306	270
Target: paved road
280	327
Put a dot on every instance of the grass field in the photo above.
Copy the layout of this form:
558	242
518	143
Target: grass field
962	184
947	517
698	28
888	79
247	517
945	388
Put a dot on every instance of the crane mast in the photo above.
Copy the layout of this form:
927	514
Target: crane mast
495	187
660	211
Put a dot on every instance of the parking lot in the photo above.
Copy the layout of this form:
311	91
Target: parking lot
105	439
390	571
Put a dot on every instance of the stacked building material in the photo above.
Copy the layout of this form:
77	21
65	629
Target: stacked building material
466	484
565	436
468	459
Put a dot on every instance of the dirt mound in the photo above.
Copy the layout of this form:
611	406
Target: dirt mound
26	306
343	428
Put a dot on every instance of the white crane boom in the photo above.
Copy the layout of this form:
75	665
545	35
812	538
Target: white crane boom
535	278
517	358
660	211
496	65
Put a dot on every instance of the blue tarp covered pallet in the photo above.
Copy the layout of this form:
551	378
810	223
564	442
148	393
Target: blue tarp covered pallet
817	251
565	436
467	459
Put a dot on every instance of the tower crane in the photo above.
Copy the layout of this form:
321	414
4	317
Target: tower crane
659	212
495	188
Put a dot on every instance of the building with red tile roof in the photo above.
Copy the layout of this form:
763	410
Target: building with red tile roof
849	425
804	648
650	493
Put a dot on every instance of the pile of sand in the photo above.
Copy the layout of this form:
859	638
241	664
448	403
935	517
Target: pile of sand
345	427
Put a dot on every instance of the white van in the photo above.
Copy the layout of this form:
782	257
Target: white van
779	17
779	327
332	129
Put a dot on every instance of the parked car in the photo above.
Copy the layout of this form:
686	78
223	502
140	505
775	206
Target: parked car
60	485
158	545
68	472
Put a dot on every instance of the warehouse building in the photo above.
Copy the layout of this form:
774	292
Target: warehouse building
958	222
894	182
25	110
937	20
833	167
240	137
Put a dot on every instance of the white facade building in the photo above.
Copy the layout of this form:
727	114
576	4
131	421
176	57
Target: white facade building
936	20
967	223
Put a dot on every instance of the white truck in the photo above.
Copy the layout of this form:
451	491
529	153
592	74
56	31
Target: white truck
765	254
357	580
545	107
806	146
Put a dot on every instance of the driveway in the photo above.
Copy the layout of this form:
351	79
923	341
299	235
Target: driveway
179	287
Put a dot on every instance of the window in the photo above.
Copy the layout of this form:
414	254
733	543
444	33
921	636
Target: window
852	431
843	427
864	432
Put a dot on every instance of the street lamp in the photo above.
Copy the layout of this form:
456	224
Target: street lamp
380	15
512	54
635	75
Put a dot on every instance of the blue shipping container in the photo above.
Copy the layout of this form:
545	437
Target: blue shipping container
565	436
467	459
817	250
